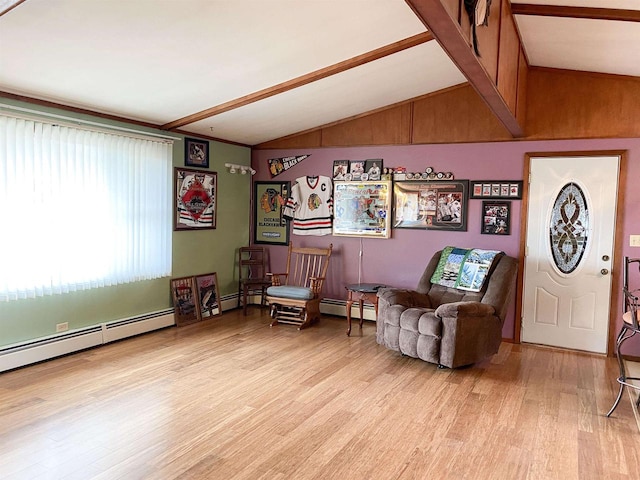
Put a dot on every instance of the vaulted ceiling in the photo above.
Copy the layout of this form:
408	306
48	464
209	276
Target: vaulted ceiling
249	71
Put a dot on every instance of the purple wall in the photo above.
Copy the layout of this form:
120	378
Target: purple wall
400	260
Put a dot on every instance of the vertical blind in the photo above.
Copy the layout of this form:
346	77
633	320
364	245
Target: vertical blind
80	209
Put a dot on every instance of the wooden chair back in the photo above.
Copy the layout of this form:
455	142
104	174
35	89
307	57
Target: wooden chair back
305	264
252	263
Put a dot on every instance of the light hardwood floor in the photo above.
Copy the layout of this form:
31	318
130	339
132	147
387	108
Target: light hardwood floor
231	398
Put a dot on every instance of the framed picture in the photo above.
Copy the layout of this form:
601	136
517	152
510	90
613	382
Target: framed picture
373	169
196	153
496	189
496	218
340	169
437	205
362	209
356	169
185	301
208	295
194	199
269	226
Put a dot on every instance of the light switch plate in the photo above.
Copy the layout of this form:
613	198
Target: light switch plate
634	240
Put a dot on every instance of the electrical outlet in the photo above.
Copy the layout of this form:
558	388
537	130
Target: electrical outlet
62	327
634	240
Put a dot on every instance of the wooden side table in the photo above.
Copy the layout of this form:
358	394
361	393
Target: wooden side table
362	292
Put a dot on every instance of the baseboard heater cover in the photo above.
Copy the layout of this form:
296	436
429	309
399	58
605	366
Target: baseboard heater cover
332	306
18	355
119	329
45	348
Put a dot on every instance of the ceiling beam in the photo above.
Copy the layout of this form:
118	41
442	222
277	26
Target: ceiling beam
303	80
449	35
576	12
10	5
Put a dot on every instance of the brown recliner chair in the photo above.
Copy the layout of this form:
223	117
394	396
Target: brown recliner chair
444	325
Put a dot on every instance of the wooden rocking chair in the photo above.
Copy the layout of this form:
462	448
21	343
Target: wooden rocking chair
294	296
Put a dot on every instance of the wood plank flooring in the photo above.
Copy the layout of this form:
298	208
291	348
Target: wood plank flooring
232	398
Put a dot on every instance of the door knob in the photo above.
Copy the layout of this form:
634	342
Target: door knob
604	271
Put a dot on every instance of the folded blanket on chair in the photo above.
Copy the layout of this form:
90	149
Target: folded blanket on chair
463	268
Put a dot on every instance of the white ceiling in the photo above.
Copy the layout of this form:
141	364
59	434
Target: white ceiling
160	60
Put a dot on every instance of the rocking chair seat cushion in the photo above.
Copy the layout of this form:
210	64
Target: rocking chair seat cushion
290	291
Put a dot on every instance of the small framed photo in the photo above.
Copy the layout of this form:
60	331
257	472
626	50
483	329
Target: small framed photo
356	169
208	295
340	169
496	218
185	301
196	153
373	169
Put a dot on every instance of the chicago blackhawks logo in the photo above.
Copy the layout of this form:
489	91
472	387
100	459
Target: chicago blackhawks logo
268	201
314	202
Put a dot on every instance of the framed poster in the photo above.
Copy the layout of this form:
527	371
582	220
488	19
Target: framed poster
194	199
362	209
208	295
185	301
437	205
196	153
269	226
496	189
496	218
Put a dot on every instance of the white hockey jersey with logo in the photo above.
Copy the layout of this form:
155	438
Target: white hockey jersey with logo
310	206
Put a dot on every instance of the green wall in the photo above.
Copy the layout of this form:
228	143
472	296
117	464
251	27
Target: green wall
194	252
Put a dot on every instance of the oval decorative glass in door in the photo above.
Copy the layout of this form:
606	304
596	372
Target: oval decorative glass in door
569	228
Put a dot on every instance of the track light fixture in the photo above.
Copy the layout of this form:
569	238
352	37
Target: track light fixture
242	169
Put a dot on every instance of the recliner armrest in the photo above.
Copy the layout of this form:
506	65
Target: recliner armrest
469	309
407	298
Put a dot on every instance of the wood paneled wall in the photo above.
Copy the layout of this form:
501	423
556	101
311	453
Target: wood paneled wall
566	104
557	104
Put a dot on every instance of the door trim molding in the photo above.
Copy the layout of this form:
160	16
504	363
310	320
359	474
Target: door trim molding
614	296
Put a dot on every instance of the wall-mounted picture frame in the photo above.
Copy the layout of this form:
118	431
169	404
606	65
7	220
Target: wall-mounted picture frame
269	226
437	205
208	295
362	209
196	153
195	204
185	301
496	218
496	189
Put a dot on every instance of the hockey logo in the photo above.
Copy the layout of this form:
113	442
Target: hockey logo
195	199
269	200
314	202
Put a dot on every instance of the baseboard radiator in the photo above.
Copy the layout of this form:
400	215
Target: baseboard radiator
332	306
45	348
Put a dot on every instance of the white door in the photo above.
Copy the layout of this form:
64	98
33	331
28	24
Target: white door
569	250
